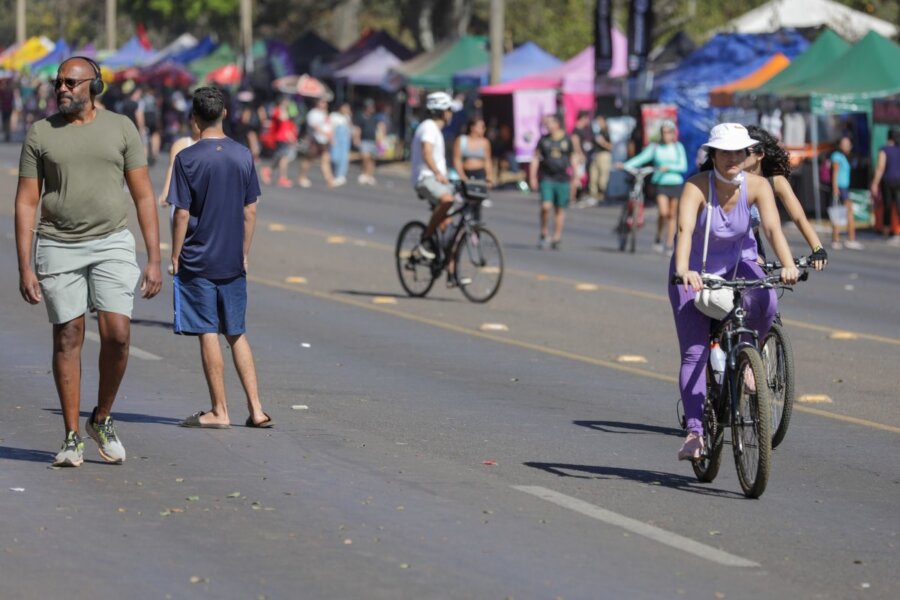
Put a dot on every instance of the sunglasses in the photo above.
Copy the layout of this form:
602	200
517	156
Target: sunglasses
69	82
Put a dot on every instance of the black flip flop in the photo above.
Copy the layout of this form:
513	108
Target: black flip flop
262	425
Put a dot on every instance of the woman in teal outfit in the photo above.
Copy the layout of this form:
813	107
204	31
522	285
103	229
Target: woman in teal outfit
670	161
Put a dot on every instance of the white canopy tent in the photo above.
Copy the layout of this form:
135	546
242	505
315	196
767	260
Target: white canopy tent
772	16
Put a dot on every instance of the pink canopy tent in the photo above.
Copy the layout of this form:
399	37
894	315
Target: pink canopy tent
574	80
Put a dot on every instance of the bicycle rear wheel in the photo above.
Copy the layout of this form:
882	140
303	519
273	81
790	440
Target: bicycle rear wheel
751	424
415	273
479	264
778	357
707	467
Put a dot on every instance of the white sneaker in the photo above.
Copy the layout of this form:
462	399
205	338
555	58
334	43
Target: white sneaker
853	245
339	181
894	241
72	452
658	248
104	433
422	252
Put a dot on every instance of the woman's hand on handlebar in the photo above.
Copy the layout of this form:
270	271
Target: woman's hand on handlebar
790	274
819	258
691	279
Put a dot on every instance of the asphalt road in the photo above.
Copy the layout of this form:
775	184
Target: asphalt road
435	459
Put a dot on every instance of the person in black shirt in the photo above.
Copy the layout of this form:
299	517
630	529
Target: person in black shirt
554	159
369	129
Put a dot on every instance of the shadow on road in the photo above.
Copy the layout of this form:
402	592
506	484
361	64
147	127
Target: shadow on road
27	454
366	294
668	480
629	428
129	417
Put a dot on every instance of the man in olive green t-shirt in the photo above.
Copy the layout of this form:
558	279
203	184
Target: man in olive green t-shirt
75	165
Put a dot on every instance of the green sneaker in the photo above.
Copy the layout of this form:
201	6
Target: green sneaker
104	433
72	452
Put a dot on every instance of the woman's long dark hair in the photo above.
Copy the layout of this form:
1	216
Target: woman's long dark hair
776	160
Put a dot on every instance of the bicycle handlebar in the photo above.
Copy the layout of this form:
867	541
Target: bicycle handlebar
768	281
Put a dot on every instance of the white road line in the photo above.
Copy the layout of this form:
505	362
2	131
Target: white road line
133	351
634	526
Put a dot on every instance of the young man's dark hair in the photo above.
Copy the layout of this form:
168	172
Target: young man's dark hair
208	104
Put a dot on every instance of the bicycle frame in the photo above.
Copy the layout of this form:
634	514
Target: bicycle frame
459	227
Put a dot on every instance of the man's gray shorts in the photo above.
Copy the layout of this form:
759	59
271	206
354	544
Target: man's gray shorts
76	277
431	189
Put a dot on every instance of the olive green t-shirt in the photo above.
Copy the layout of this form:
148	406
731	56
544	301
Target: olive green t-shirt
81	169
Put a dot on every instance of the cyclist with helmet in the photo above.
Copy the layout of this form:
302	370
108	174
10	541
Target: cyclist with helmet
429	165
726	195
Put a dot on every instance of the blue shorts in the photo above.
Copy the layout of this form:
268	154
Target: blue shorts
210	305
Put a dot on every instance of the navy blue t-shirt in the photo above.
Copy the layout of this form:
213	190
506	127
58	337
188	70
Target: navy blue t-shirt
214	179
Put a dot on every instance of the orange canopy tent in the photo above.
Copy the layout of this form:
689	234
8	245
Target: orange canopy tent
721	96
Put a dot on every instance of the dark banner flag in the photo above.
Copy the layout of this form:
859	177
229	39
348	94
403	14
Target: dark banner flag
640	32
603	38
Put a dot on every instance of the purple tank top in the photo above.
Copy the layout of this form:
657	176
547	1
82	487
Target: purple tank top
727	234
892	164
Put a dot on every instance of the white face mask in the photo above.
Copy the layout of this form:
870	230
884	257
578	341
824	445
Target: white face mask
738	179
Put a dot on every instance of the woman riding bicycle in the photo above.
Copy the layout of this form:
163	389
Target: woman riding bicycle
730	194
768	159
670	161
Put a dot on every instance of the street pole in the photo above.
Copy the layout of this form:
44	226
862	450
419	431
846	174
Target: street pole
497	14
20	21
111	25
247	35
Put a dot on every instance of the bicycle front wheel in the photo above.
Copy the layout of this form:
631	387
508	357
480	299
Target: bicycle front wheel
479	264
751	424
778	357
707	467
416	275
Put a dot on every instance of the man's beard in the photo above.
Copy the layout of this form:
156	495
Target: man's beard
74	106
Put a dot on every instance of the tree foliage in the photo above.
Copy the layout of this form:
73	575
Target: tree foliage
563	27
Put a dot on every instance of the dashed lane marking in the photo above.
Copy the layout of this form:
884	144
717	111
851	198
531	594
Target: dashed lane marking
132	351
815	399
295	279
631	358
667	538
600	287
542	349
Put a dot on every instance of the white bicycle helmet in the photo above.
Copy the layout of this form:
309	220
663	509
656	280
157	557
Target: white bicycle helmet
437	101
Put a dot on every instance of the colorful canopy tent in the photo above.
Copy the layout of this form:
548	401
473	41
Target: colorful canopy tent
370	69
722	95
774	15
309	51
819	57
183	42
435	69
574	79
527	59
365	45
204	47
870	69
33	49
61	51
722	59
131	54
221	56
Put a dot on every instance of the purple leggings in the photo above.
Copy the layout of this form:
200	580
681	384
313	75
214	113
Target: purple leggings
693	337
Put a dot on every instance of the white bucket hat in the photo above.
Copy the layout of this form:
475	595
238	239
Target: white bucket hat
730	136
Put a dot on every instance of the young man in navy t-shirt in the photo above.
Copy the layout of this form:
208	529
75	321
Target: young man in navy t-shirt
214	190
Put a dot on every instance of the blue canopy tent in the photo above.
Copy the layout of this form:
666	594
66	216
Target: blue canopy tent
131	54
60	52
204	47
527	59
723	59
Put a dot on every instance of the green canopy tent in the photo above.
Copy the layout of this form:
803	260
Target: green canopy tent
222	56
817	59
435	69
867	71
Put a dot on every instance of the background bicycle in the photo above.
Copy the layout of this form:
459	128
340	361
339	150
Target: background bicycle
632	217
469	252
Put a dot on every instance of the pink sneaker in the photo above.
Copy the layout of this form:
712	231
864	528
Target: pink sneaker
692	447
